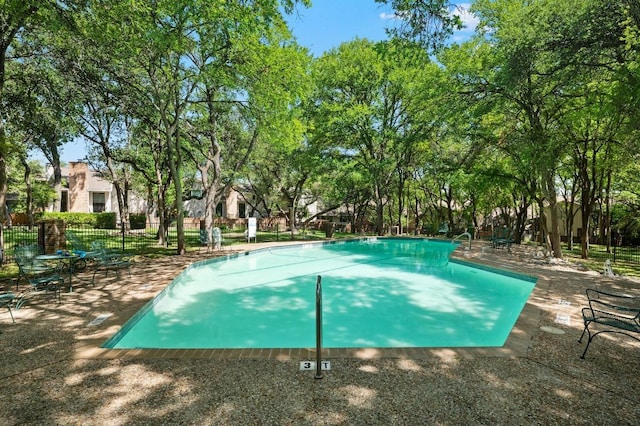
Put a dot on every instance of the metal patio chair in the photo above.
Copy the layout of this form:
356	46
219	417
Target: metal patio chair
41	276
6	300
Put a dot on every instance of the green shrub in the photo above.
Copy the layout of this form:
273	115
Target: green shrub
72	218
138	220
105	220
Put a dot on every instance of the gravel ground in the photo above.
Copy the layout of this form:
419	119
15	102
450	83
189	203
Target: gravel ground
44	380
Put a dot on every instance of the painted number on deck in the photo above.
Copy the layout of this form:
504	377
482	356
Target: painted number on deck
311	365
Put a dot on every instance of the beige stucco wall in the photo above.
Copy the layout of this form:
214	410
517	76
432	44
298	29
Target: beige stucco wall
195	208
562	216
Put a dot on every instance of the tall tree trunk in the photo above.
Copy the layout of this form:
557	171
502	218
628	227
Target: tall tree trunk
544	229
3	188
175	165
57	183
27	181
449	199
379	212
401	182
417	219
5	153
554	232
211	171
607	217
161	208
150	208
292	218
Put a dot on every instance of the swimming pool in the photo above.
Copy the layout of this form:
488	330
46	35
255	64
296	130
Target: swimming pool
376	293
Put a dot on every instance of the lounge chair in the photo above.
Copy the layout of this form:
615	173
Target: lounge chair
108	260
81	249
444	228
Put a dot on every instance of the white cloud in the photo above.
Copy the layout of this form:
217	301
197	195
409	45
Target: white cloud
469	20
388	16
462	10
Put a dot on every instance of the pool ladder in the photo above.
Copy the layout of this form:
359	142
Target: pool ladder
464	234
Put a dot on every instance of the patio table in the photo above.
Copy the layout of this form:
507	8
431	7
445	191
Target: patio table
65	263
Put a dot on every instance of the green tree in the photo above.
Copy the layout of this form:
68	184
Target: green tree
370	105
176	63
19	20
429	22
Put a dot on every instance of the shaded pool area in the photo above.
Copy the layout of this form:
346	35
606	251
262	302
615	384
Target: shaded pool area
377	292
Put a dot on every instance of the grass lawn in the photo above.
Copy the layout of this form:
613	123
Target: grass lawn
625	263
145	243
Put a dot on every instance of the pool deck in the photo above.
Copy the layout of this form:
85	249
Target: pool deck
53	370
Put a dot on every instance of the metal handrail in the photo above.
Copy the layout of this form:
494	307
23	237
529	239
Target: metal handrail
463	235
318	328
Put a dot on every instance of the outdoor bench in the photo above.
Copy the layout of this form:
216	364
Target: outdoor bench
610	313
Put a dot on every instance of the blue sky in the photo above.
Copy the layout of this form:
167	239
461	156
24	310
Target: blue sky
323	26
328	23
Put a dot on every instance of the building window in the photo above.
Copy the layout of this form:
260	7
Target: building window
219	210
64	201
98	202
242	210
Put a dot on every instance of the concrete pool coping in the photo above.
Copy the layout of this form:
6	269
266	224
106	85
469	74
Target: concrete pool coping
517	344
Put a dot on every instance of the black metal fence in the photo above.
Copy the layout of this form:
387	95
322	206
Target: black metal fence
148	240
617	254
141	241
132	240
626	254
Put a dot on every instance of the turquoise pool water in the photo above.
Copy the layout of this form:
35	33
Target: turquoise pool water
376	293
